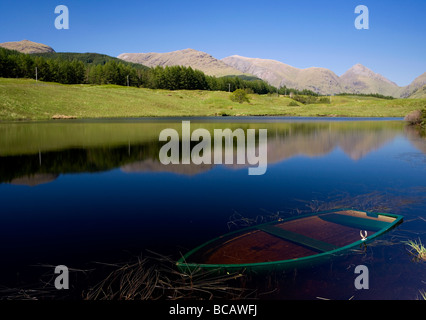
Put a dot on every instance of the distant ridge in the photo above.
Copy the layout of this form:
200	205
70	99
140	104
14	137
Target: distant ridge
26	46
187	57
358	79
274	72
415	87
420	93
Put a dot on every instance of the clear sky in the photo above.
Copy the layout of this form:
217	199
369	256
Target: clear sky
302	33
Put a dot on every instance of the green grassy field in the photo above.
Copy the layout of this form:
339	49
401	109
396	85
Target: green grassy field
25	99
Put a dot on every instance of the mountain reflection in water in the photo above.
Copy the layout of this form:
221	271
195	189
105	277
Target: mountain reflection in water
37	153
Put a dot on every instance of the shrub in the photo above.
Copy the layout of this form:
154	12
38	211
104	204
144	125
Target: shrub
324	100
311	99
414	117
293	104
239	96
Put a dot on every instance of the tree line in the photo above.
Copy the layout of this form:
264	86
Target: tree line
374	95
72	68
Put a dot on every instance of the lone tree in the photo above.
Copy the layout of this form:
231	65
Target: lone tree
240	96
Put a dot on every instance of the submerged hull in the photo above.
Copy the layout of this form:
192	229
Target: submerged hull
290	242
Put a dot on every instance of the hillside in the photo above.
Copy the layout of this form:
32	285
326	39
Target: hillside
188	58
420	93
274	72
360	79
26	46
87	58
31	100
411	89
319	80
279	74
357	79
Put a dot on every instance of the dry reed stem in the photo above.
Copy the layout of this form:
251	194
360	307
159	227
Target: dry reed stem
145	280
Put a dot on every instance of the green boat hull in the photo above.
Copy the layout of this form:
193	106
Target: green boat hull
379	223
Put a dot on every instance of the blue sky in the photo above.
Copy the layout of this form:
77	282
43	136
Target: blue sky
301	33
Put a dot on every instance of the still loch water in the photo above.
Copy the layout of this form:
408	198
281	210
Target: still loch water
79	192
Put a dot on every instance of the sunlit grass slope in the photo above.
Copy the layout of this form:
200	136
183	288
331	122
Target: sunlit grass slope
23	99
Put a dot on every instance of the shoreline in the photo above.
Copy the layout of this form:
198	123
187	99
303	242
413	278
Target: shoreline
251	118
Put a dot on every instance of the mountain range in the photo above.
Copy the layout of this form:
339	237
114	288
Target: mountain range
358	79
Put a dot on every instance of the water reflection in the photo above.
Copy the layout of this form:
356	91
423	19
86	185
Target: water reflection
37	153
71	216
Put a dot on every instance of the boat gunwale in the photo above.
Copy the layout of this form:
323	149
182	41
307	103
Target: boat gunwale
192	265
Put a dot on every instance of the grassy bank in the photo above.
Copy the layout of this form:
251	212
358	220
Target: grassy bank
27	99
